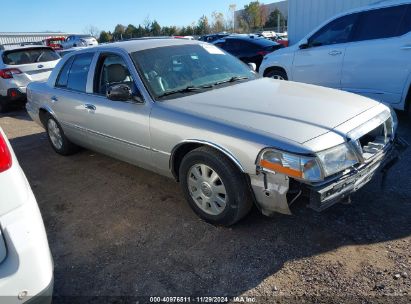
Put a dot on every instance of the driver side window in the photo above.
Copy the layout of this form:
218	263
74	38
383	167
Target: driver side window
111	70
335	32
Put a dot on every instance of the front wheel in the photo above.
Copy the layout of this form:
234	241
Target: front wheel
277	74
214	187
57	139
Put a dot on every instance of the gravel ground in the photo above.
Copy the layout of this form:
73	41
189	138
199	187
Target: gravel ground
117	230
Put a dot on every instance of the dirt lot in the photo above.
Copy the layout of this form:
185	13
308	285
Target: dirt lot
117	230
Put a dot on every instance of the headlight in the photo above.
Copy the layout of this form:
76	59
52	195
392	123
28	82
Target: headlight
311	169
297	166
337	159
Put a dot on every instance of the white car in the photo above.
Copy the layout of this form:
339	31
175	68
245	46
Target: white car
21	65
365	51
79	40
26	266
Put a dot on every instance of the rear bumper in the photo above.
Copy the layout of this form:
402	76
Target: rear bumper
325	195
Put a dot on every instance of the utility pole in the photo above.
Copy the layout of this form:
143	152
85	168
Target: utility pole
233	8
278	22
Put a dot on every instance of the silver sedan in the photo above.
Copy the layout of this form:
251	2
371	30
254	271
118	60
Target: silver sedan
190	111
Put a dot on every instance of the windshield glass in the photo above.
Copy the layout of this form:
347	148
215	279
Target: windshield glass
169	72
27	56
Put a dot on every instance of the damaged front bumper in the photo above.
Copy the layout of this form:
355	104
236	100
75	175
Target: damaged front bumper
272	191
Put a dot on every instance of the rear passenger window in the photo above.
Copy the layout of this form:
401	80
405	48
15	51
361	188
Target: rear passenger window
406	23
63	76
380	23
77	78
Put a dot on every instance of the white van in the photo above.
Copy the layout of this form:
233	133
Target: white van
365	51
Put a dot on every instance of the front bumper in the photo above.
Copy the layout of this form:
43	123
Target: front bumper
327	194
275	193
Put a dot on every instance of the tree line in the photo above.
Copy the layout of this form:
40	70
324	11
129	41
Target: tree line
255	16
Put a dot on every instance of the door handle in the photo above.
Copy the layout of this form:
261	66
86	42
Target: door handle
335	53
90	107
54	99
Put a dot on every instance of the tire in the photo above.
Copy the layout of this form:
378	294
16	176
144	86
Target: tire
3	106
197	169
277	74
57	139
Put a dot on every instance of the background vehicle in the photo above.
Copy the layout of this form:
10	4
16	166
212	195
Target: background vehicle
355	52
249	49
213	37
54	42
188	110
79	40
18	67
26	267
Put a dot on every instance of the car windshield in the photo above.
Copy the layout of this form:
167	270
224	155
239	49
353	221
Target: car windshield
169	72
27	56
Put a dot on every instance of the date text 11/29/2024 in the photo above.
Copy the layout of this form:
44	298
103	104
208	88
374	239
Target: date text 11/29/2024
238	299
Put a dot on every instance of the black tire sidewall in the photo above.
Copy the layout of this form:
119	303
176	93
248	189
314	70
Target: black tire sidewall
232	180
3	106
271	73
65	148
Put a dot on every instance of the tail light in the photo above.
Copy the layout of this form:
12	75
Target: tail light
8	73
5	155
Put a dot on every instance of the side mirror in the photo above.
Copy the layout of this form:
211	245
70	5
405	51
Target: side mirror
304	45
119	92
122	92
252	66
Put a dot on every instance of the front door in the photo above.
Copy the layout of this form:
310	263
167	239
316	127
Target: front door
320	61
118	128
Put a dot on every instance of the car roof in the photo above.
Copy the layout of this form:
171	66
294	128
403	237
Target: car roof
369	7
22	47
376	5
131	46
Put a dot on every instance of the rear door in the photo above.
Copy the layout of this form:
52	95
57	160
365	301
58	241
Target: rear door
35	64
377	62
321	61
69	98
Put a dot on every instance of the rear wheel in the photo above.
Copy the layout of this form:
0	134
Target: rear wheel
3	106
57	139
214	187
277	74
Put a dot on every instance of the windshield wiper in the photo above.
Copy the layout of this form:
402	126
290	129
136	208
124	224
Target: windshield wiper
232	79
185	90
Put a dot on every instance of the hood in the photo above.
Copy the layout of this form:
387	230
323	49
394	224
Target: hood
295	111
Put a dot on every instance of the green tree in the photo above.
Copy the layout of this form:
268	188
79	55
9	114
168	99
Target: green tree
276	20
203	26
130	31
253	15
119	31
155	28
105	37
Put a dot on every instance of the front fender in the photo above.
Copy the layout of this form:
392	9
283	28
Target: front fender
283	60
